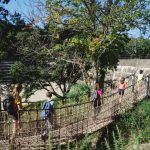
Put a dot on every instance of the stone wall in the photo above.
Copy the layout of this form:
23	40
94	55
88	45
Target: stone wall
130	66
139	63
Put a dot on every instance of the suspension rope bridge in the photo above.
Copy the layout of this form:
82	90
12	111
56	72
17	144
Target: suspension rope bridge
71	122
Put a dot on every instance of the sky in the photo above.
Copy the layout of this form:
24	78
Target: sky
25	7
21	6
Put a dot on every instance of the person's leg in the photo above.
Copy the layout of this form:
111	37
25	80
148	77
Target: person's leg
139	87
120	98
98	109
120	95
45	131
44	135
15	120
48	125
18	121
95	113
14	129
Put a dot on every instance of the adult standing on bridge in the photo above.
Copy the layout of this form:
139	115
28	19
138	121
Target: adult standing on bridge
140	80
17	107
96	99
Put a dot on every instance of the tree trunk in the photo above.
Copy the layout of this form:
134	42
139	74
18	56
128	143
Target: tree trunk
102	77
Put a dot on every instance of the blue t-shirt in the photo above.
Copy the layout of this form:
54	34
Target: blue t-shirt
47	109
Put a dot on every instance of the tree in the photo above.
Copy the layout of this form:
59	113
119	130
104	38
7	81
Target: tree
9	26
137	47
76	34
104	23
44	60
4	1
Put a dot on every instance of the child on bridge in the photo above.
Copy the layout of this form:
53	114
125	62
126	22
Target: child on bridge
48	115
122	86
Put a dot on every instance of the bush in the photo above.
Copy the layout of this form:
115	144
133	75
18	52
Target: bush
78	90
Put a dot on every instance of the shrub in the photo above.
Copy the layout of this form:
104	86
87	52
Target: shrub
78	90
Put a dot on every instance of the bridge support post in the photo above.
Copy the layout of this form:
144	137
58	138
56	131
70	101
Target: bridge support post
0	99
133	83
148	86
0	104
133	89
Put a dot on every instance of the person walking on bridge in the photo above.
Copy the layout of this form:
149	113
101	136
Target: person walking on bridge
121	86
47	115
17	106
140	78
96	99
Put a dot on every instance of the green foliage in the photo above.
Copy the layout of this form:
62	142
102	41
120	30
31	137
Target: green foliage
86	143
77	35
16	70
37	105
104	24
3	55
139	119
137	47
10	25
7	36
46	62
132	128
78	90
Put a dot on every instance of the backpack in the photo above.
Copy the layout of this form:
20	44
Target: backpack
47	110
95	97
8	103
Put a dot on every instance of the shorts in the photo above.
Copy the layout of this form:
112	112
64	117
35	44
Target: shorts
97	102
121	91
14	116
139	83
97	110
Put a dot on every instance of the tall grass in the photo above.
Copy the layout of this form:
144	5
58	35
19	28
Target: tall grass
132	129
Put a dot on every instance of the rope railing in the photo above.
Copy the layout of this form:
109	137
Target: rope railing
108	90
71	122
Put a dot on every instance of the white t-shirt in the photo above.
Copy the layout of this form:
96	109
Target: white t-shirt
140	77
